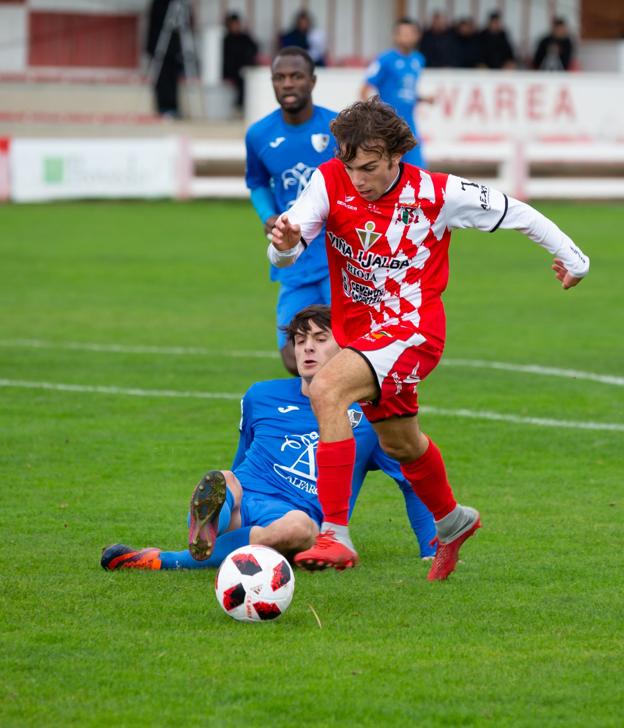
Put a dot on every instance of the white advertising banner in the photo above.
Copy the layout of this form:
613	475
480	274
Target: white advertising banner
57	169
468	105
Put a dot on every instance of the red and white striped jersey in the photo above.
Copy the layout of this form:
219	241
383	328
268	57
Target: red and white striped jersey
388	259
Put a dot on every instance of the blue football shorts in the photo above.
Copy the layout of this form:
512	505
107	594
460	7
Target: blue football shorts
259	510
291	300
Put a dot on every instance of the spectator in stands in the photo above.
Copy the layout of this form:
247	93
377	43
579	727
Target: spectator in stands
555	50
239	50
438	44
496	50
467	43
169	59
304	35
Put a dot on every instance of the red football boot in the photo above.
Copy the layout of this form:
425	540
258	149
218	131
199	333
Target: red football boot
206	503
447	554
327	552
125	557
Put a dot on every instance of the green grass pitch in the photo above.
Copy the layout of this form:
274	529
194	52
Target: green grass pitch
527	632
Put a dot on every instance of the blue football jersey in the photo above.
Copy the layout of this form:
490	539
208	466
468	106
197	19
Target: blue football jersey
277	449
396	76
283	157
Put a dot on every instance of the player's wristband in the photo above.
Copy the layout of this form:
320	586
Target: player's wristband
264	203
284	258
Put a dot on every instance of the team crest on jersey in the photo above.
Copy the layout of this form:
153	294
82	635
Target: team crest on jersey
355	418
368	236
408	214
319	142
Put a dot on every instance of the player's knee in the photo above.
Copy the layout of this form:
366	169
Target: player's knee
405	451
297	532
324	397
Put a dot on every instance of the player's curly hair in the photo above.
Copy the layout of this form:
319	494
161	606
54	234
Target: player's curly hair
371	126
300	323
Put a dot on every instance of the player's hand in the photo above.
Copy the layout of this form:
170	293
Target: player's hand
284	235
268	225
562	274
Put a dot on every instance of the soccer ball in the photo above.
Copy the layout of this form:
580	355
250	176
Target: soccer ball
255	584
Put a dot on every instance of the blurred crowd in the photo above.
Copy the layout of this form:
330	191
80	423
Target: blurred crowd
444	44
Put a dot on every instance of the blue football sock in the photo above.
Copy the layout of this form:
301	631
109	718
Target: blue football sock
226	512
224	545
420	519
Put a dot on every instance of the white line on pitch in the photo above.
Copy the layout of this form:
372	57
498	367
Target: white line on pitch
133	392
476	415
204	351
131	349
536	369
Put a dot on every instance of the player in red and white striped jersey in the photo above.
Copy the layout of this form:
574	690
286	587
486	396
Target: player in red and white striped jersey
388	228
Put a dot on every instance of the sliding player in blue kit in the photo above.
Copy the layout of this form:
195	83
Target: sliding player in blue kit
269	496
283	150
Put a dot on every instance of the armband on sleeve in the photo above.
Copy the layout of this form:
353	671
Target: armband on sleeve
284	258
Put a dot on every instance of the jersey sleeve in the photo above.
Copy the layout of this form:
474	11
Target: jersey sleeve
375	73
246	433
311	208
256	174
473	205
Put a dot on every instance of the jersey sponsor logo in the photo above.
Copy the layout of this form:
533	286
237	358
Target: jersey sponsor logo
342	203
349	198
359	273
372	260
289	408
340	244
359	293
301	473
368	236
364	258
297	177
374	209
319	142
276	142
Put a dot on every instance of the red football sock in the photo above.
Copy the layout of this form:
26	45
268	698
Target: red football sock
335	462
427	476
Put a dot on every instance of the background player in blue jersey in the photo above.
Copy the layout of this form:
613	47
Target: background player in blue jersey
283	149
269	496
394	76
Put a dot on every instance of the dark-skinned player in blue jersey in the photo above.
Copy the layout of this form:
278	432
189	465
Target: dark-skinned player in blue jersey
283	150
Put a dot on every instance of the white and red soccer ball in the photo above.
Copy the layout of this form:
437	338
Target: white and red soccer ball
255	584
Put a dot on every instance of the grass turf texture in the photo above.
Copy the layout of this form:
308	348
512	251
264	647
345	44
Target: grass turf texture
527	632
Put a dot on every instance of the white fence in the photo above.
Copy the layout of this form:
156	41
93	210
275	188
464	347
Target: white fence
54	169
513	164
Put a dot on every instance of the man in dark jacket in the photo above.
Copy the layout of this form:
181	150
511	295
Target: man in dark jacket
239	51
496	50
555	50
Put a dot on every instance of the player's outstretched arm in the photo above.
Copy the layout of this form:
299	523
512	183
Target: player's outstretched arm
474	205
